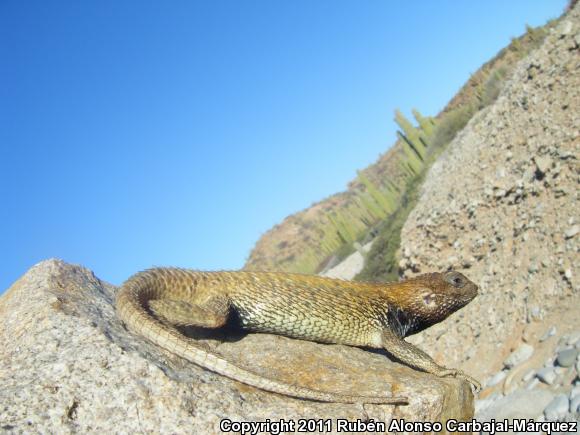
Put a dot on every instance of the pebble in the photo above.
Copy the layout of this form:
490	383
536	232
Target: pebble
529	375
573	338
482	404
519	404
575	404
533	384
543	164
496	379
545	262
571	232
518	356
549	333
547	375
566	28
567	357
557	408
535	313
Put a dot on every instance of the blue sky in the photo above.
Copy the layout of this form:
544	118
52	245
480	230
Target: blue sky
141	133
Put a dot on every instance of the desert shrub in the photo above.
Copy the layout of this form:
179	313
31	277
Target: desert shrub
450	124
381	263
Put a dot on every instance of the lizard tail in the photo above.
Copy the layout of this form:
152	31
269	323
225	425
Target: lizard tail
130	304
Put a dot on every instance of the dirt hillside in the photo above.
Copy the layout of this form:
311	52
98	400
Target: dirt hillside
501	204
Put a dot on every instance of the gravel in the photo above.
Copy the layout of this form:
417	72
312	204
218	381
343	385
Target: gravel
567	357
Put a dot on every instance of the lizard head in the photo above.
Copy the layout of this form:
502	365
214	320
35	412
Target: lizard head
450	288
430	298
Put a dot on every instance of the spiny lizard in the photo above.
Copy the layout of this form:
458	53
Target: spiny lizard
301	306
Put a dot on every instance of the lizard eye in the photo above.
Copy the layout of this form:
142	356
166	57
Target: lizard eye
455	279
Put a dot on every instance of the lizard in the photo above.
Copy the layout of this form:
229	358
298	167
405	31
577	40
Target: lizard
154	302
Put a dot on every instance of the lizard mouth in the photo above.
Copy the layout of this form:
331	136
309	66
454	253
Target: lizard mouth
471	292
475	289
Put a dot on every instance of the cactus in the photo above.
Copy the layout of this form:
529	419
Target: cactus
427	124
382	200
409	134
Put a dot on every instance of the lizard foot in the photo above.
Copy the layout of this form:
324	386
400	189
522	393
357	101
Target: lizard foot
459	374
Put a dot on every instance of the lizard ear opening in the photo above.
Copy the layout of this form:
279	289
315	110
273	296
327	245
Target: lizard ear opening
429	300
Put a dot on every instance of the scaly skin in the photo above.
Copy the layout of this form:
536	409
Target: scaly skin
301	306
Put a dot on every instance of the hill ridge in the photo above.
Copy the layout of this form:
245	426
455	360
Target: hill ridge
310	239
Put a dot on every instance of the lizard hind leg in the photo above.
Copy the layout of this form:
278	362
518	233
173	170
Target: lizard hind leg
211	314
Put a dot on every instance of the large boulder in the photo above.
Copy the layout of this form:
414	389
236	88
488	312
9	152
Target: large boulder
67	364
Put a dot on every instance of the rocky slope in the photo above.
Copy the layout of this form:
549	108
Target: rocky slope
501	204
67	365
306	241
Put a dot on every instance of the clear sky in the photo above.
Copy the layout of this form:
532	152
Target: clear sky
141	133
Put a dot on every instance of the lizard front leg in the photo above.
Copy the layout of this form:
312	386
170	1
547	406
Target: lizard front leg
415	357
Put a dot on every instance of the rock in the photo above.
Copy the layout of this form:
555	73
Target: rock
557	408
532	384
499	193
545	262
566	28
575	405
452	260
549	333
519	404
543	164
482	404
521	354
496	379
529	375
573	338
67	364
567	357
571	232
535	313
547	375
575	399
